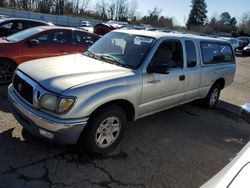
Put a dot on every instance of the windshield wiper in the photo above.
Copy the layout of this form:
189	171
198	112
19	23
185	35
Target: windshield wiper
114	60
89	53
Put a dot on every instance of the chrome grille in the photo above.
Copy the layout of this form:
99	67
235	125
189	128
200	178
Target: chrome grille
24	89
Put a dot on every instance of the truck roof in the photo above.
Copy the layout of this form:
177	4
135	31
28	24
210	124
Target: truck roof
158	35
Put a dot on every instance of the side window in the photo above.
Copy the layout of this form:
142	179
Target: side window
210	53
55	37
226	53
44	38
84	38
7	25
213	53
169	53
191	53
35	24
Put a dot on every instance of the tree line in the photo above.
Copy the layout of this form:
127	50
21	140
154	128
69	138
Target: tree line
223	23
123	10
126	10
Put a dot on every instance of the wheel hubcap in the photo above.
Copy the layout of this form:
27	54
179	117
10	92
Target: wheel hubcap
214	96
108	132
6	72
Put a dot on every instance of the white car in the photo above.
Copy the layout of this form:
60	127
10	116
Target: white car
235	175
87	28
85	24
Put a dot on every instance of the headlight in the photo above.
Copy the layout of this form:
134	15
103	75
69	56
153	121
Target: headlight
56	103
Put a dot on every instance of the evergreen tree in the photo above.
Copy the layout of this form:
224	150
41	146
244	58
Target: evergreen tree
197	16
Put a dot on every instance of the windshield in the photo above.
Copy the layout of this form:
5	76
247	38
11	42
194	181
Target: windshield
122	49
24	34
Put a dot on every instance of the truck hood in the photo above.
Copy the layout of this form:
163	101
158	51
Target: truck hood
63	72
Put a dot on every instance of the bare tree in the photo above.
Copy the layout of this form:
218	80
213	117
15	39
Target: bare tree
101	8
111	9
121	10
133	5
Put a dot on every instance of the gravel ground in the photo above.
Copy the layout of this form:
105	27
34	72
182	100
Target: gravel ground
180	147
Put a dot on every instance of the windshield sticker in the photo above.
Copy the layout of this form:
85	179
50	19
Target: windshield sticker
139	40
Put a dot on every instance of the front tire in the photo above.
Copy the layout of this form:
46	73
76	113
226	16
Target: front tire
104	130
212	97
7	69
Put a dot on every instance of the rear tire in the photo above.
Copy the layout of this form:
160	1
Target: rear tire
7	69
212	97
103	131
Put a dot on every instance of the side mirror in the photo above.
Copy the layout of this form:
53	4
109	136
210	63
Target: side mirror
245	112
33	42
158	68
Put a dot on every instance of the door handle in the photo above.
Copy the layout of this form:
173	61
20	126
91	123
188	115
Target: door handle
154	81
182	77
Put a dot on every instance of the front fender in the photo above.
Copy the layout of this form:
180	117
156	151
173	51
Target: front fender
129	93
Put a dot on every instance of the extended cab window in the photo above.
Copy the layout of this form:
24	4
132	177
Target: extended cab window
169	53
214	53
191	53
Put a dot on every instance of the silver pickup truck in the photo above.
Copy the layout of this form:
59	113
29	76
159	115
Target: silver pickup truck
127	74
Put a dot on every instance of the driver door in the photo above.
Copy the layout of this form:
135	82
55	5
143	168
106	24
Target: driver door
51	43
163	90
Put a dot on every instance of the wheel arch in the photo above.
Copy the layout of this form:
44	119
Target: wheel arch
221	82
123	104
8	59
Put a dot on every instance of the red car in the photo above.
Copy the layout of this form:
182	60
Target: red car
40	42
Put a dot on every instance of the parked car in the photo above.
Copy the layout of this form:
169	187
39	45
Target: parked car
243	42
85	24
235	175
40	42
126	75
234	42
104	28
117	23
89	29
10	26
246	50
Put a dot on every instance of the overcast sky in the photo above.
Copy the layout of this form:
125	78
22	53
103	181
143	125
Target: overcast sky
180	8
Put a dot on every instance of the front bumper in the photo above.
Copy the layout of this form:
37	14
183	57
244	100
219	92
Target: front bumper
65	131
